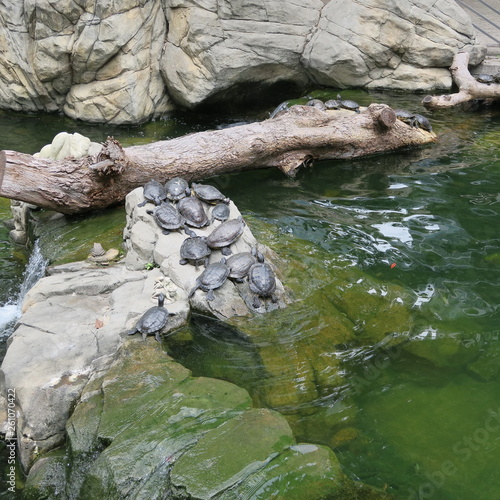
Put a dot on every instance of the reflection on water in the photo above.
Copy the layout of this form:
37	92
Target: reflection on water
390	352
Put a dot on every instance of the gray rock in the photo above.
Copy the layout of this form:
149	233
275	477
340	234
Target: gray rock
73	322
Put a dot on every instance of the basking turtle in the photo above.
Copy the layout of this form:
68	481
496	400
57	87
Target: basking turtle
193	212
154	192
209	194
177	188
348	104
316	103
332	104
152	321
284	106
226	234
240	263
423	122
406	117
194	250
167	217
213	277
262	282
485	78
220	212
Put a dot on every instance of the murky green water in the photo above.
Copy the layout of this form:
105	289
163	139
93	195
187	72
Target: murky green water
391	351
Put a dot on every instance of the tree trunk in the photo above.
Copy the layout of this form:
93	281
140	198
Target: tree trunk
469	87
293	138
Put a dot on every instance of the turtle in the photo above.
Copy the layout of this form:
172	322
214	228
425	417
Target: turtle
316	103
497	77
348	104
195	250
154	192
213	277
193	212
262	282
220	212
209	194
485	78
423	122
152	321
284	106
177	188
226	234
240	263
332	104
167	217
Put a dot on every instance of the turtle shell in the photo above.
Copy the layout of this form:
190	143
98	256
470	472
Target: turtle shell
153	191
194	250
177	188
153	320
262	279
226	234
213	277
332	104
317	103
168	217
239	265
348	104
485	78
220	212
208	193
193	212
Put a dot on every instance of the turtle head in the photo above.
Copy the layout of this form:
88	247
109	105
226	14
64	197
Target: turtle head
161	300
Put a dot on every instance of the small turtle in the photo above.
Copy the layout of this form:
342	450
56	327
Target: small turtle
152	321
485	78
167	217
284	106
423	122
262	282
193	212
240	263
177	188
213	277
194	250
406	117
316	103
154	192
348	104
209	194
220	212
226	234
497	77
332	104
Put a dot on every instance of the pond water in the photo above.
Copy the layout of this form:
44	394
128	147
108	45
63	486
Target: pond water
390	352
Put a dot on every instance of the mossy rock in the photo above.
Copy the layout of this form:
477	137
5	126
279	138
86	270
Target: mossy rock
47	478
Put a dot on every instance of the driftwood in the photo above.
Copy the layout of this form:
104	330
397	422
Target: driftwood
469	88
293	138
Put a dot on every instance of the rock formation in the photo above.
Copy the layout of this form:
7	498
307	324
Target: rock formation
124	62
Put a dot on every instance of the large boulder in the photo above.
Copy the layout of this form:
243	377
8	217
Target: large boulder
120	62
72	324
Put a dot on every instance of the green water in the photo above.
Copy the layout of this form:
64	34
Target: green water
419	418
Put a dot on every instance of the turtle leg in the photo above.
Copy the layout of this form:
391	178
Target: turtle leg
165	231
142	203
189	232
183	262
133	331
191	293
226	251
144	335
256	302
157	336
210	295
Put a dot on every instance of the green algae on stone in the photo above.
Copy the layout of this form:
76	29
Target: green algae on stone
300	472
228	454
47	478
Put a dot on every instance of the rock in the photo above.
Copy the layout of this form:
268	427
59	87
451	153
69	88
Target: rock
148	429
72	323
64	145
145	243
121	63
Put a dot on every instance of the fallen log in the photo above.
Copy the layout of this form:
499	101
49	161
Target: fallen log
469	88
296	137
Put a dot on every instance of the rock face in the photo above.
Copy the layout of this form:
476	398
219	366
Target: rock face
119	62
72	324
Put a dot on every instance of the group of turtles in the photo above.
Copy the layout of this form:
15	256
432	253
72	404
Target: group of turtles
179	207
412	119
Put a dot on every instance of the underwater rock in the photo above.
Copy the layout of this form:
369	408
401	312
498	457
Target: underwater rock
146	427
